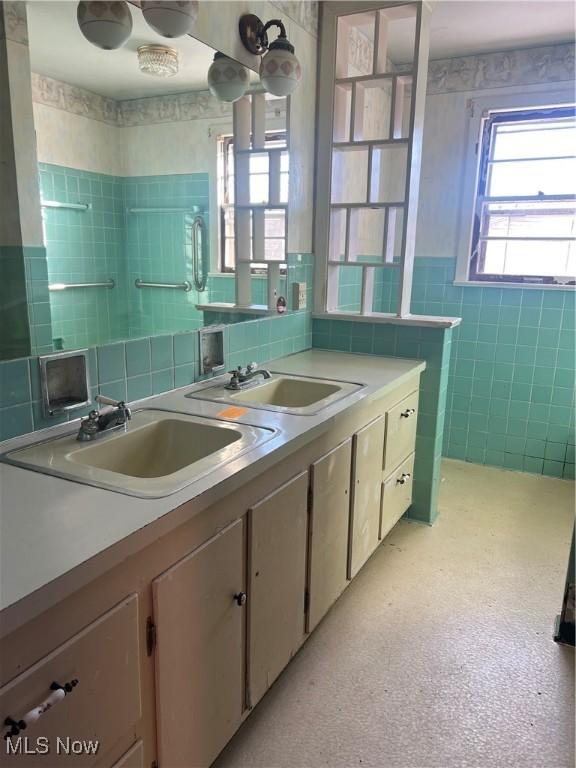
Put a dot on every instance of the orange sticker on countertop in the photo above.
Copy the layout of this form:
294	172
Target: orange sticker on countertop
234	412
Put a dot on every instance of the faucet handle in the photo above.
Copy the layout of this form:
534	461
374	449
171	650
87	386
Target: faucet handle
251	367
103	400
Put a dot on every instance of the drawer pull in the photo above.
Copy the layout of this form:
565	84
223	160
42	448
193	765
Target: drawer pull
403	478
240	598
58	693
408	412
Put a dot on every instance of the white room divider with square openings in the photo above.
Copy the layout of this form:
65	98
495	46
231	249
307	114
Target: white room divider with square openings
372	87
260	197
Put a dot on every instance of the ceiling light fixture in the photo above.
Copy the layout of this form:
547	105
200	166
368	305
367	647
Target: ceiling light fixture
106	25
280	70
158	60
227	79
168	18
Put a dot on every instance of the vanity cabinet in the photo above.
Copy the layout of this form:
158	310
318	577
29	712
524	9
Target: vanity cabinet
278	531
199	607
176	643
102	707
367	452
328	530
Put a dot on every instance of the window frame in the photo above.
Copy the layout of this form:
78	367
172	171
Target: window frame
532	100
225	144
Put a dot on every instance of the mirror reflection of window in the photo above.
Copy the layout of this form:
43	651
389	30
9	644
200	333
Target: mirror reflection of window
259	188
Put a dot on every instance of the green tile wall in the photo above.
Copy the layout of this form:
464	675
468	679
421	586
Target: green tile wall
106	242
158	250
138	368
85	246
511	385
430	344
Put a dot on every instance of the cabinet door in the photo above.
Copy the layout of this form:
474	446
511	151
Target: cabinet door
278	538
368	445
329	528
100	709
200	651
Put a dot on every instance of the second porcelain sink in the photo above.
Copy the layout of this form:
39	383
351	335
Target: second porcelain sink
299	395
287	393
158	453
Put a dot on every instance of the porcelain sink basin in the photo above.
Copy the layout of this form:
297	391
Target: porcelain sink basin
288	393
158	453
300	395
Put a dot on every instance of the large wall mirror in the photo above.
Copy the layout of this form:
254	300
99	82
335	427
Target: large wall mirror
135	180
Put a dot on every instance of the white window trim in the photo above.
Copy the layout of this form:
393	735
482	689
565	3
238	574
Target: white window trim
559	94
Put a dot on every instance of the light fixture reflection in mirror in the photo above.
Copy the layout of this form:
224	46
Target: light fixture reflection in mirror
106	25
280	70
227	79
170	18
158	60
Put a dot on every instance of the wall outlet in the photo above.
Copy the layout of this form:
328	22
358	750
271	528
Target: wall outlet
298	295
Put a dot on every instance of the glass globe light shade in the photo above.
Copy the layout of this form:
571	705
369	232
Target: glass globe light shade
280	70
227	79
105	24
168	18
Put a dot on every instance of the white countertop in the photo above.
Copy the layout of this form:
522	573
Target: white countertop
52	529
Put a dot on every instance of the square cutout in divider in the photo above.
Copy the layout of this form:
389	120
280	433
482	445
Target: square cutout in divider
355	45
372	109
342	111
394	234
396	37
402	105
349	174
388	173
366	238
337	241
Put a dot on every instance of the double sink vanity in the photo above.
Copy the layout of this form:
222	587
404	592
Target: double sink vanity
165	573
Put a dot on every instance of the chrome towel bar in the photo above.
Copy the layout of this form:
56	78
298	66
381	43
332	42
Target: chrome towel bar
185	286
67	206
65	286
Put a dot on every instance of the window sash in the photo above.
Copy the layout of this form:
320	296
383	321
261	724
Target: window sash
483	200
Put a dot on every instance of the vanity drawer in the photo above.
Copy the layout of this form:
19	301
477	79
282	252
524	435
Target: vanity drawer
400	436
103	706
396	495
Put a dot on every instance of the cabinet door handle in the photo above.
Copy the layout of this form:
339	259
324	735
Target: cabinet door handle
408	412
240	598
58	693
403	478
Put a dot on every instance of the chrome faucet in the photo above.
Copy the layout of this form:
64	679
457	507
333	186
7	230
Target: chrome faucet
98	422
242	376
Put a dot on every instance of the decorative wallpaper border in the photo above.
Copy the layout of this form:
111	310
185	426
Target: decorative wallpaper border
526	66
191	105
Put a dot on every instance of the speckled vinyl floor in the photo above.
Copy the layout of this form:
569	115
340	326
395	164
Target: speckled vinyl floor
440	653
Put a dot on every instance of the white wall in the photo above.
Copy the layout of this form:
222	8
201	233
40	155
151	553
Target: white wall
63	138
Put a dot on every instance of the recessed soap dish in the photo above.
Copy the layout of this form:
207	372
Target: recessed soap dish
211	339
65	381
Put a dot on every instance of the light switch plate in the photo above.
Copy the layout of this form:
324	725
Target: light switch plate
299	295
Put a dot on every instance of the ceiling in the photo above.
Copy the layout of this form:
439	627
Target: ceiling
464	27
59	50
458	28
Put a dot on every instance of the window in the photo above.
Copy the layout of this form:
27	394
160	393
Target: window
524	225
259	189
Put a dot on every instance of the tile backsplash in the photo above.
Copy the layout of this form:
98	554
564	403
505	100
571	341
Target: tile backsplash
139	368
